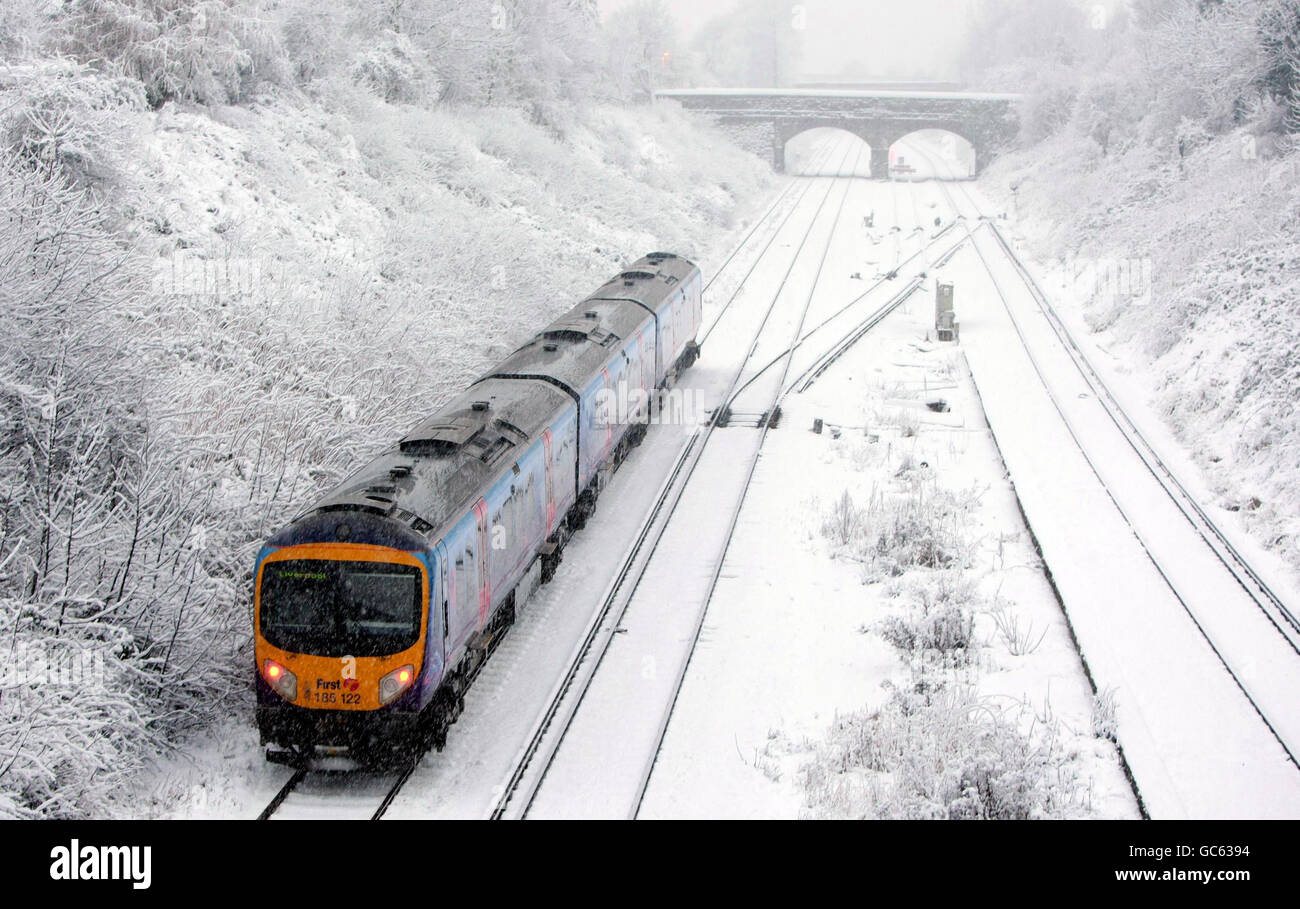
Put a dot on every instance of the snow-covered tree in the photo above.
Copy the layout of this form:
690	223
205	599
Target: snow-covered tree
757	44
641	38
1279	36
1022	35
211	51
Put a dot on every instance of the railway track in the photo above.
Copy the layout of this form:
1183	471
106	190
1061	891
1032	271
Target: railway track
535	759
827	154
859	328
1272	715
354	795
1274	608
779	387
764	427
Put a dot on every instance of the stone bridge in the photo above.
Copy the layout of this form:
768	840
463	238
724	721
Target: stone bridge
764	120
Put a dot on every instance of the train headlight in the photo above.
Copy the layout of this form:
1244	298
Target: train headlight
397	681
281	679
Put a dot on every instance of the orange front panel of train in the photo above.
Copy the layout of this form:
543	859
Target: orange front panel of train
342	680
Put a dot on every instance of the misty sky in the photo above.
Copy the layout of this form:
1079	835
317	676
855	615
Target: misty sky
899	39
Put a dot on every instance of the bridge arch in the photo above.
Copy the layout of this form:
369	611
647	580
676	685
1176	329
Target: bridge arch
802	152
939	153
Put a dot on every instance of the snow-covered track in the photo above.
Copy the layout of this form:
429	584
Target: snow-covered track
1282	616
1217	543
776	232
519	792
1259	662
1279	614
1244	626
739	503
352	795
825	152
859	330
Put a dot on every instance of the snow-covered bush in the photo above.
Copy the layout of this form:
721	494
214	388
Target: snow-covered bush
1105	722
72	502
392	67
23	28
1206	60
940	755
73	728
313	36
844	522
1279	37
919	524
212	51
55	113
938	623
1048	107
918	528
1017	632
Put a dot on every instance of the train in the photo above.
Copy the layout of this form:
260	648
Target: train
375	607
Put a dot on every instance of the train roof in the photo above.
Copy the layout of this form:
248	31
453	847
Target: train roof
649	281
438	468
574	348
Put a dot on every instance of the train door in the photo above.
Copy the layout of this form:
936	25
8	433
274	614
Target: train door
610	417
681	330
485	549
642	380
697	303
462	612
440	599
667	339
549	445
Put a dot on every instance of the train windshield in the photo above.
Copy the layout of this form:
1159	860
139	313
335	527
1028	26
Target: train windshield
335	608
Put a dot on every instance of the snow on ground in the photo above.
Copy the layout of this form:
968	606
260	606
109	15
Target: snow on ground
836	93
793	638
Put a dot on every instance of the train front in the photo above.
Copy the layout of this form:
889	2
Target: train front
340	609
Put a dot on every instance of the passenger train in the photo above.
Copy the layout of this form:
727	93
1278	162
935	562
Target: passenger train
375	607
